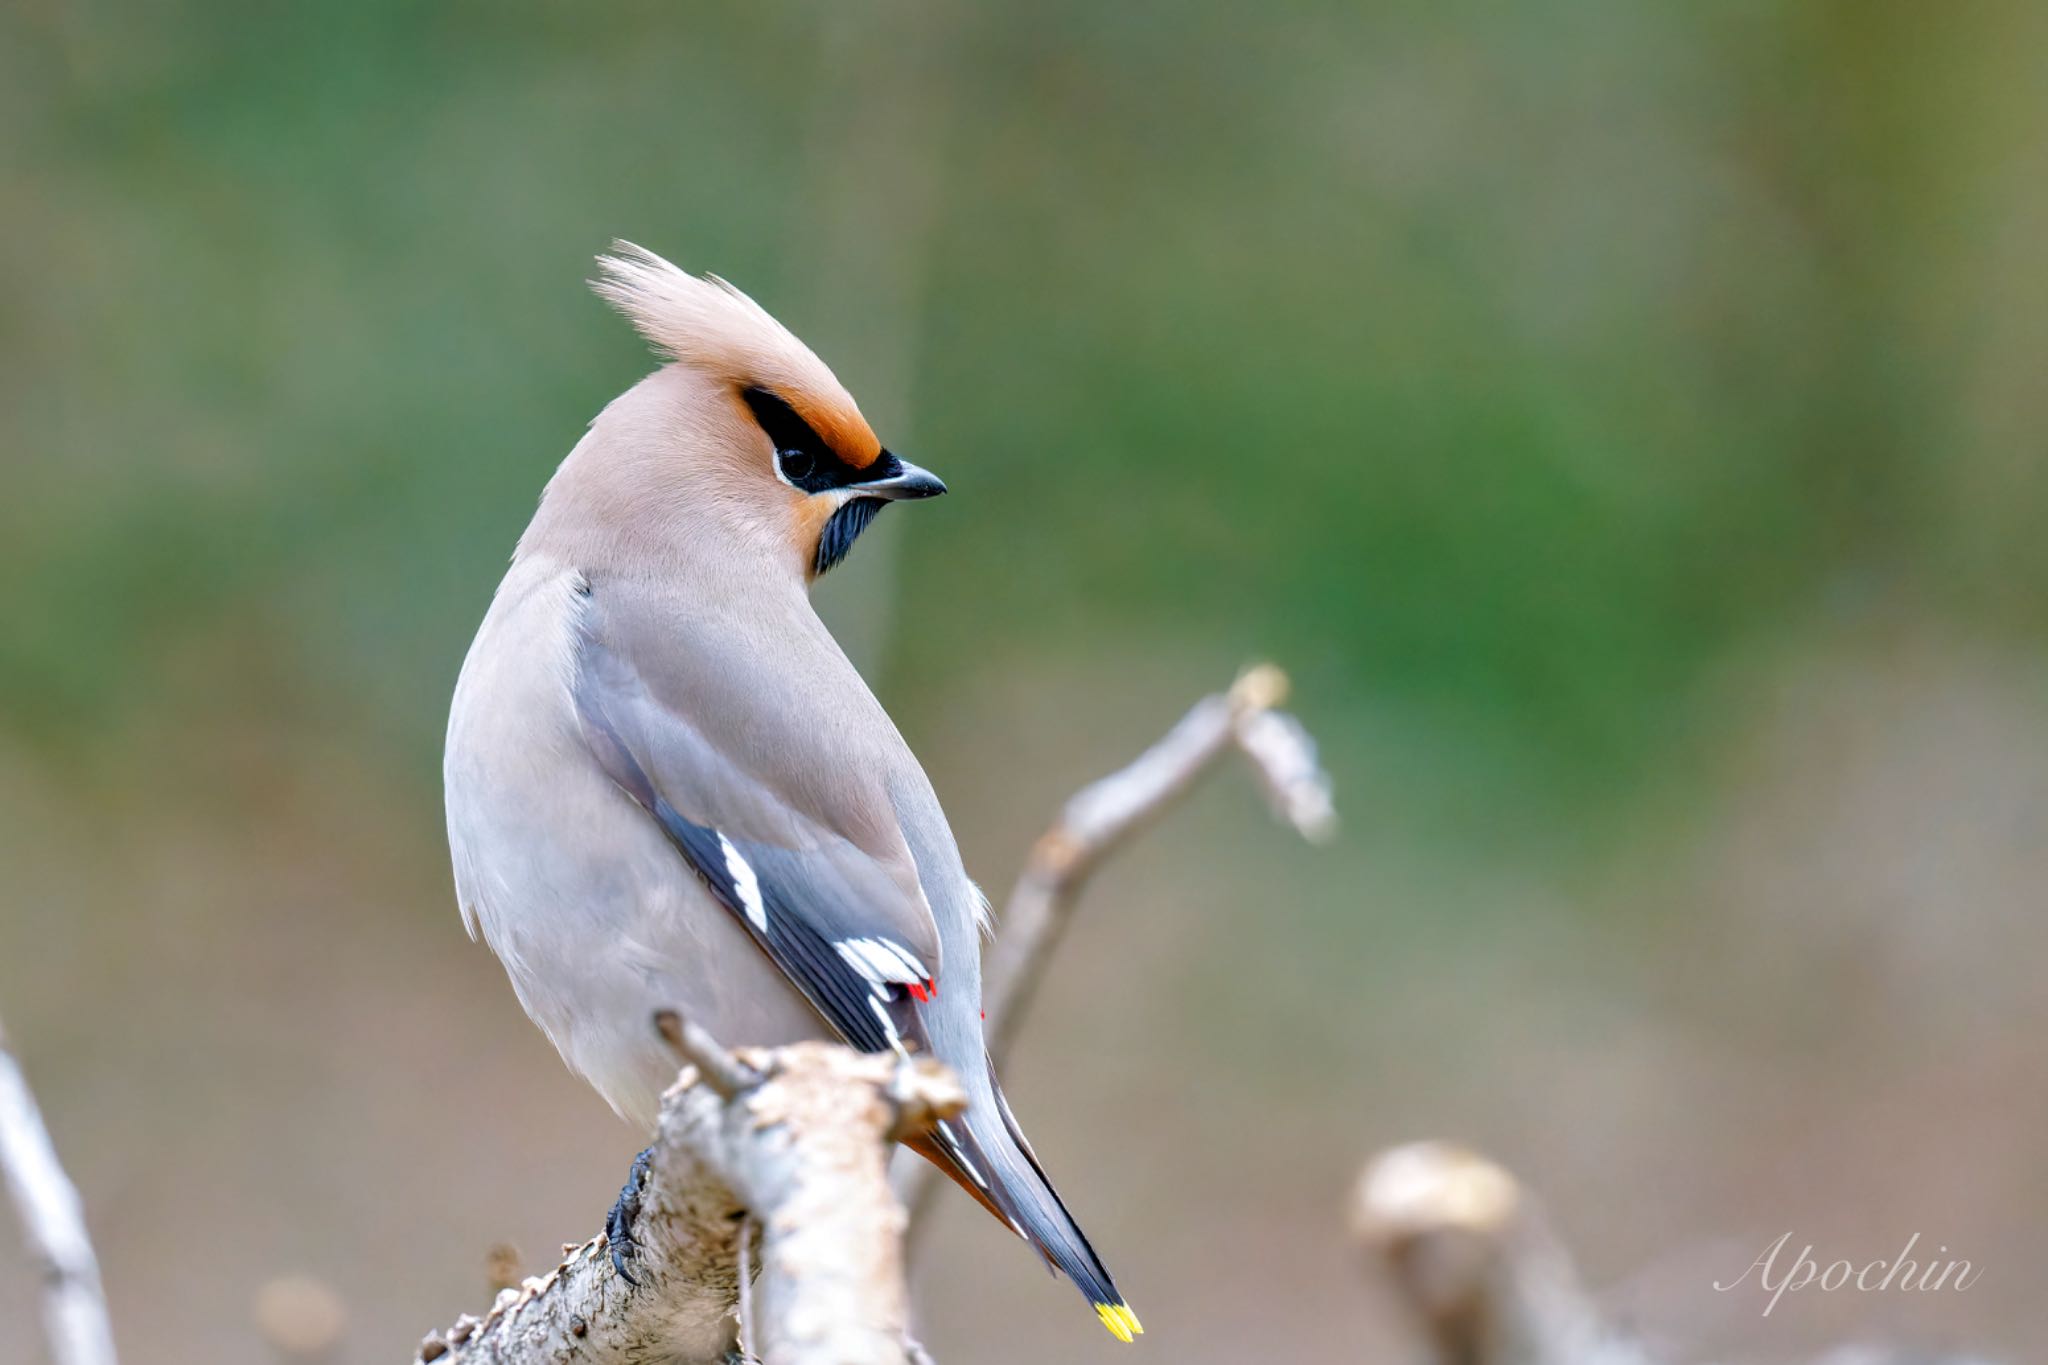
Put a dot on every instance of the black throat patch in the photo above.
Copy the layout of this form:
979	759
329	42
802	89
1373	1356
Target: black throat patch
843	529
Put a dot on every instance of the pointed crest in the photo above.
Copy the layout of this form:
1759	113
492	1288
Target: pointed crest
711	326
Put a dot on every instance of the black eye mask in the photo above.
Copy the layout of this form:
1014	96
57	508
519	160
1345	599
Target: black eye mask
804	457
807	462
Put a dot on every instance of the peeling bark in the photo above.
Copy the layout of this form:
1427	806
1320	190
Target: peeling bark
798	1137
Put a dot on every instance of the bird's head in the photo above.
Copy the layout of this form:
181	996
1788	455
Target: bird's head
773	441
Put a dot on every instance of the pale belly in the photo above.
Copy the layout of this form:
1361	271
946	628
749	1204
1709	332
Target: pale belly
598	919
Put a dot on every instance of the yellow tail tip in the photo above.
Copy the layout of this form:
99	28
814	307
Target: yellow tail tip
1122	1323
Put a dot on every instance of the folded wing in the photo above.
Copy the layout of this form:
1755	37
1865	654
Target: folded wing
834	902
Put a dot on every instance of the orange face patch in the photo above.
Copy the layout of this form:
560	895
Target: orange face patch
811	515
844	429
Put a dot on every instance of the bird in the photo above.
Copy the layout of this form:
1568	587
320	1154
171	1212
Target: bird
668	788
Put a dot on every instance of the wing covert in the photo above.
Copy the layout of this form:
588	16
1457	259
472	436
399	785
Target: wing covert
847	922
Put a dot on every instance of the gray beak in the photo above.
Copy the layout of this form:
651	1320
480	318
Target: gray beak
898	479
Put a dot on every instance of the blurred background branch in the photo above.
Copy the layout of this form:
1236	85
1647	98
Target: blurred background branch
1101	817
1107	813
53	1221
1480	1276
1472	1262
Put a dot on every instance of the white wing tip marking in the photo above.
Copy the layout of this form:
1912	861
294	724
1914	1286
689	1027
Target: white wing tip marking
745	885
882	962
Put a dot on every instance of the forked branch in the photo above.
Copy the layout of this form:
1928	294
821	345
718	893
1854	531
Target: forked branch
1104	816
1108	813
796	1138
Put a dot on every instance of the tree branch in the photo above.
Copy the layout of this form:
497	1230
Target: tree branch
52	1219
1104	815
796	1137
1475	1269
1472	1261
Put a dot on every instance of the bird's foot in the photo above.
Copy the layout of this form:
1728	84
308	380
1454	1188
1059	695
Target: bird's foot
618	1224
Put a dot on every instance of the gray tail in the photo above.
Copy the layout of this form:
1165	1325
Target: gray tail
986	1154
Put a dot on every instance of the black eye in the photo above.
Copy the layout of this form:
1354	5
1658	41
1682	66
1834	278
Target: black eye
805	460
797	465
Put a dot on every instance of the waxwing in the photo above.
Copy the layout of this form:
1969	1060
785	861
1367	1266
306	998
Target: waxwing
668	788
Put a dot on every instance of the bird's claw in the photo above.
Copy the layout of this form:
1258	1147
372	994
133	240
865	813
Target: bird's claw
618	1224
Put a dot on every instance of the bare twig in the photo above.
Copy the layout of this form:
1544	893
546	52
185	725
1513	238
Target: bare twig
719	1069
1105	814
74	1309
1469	1257
1481	1279
799	1148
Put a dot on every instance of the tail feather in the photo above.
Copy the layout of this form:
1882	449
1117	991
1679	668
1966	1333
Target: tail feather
986	1155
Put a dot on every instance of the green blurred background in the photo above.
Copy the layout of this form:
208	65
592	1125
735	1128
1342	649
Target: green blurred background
1625	422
